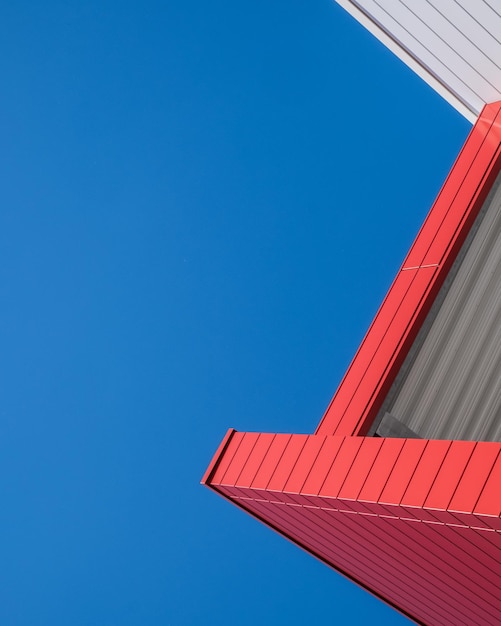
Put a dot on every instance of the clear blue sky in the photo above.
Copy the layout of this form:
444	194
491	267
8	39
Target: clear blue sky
202	206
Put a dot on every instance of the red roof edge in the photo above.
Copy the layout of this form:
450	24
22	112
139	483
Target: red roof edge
218	455
403	311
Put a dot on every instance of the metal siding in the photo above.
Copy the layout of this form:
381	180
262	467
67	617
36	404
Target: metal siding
424	476
287	462
402	472
461	355
341	466
389	356
476	544
349	385
489	502
453	45
223	457
417	522
445	545
389	338
255	459
389	555
384	560
322	534
474	478
479	137
431	574
383	465
415	562
304	464
272	457
345	555
218	456
239	459
361	468
491	537
323	464
449	476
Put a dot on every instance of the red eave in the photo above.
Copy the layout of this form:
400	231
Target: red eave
414	521
391	334
417	522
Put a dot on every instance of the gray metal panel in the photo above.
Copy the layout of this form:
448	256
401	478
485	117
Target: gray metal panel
390	426
455	45
451	383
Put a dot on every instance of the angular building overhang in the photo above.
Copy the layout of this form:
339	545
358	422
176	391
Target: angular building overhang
425	275
413	516
454	45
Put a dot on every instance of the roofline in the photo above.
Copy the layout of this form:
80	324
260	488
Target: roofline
390	337
424	72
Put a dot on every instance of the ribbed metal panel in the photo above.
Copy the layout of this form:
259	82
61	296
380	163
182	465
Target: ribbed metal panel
455	45
366	388
414	521
452	388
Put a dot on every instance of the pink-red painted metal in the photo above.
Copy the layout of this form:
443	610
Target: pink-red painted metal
423	272
415	522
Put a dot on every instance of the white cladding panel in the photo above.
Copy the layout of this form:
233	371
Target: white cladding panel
455	45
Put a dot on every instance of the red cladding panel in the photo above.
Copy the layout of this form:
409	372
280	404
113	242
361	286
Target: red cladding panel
416	522
378	373
287	461
430	579
305	462
447	480
427	570
479	136
473	480
270	461
402	472
423	478
323	463
380	471
451	233
348	554
384	545
451	471
438	242
361	468
354	376
489	502
340	467
255	459
348	561
224	457
217	456
239	459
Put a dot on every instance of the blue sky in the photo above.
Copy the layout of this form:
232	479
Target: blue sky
203	204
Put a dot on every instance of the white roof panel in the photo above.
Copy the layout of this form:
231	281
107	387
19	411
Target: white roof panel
454	45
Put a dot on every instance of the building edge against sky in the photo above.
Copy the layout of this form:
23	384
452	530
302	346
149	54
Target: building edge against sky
453	45
416	521
410	508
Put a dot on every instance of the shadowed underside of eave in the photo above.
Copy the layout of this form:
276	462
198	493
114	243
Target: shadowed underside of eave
416	522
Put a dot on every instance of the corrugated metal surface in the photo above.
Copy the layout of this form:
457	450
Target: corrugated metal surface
377	363
453	389
416	522
455	45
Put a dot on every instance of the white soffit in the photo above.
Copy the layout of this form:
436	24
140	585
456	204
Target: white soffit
454	45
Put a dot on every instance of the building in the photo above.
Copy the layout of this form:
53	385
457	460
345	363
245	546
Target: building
399	488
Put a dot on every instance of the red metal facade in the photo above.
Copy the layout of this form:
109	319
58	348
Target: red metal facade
416	522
